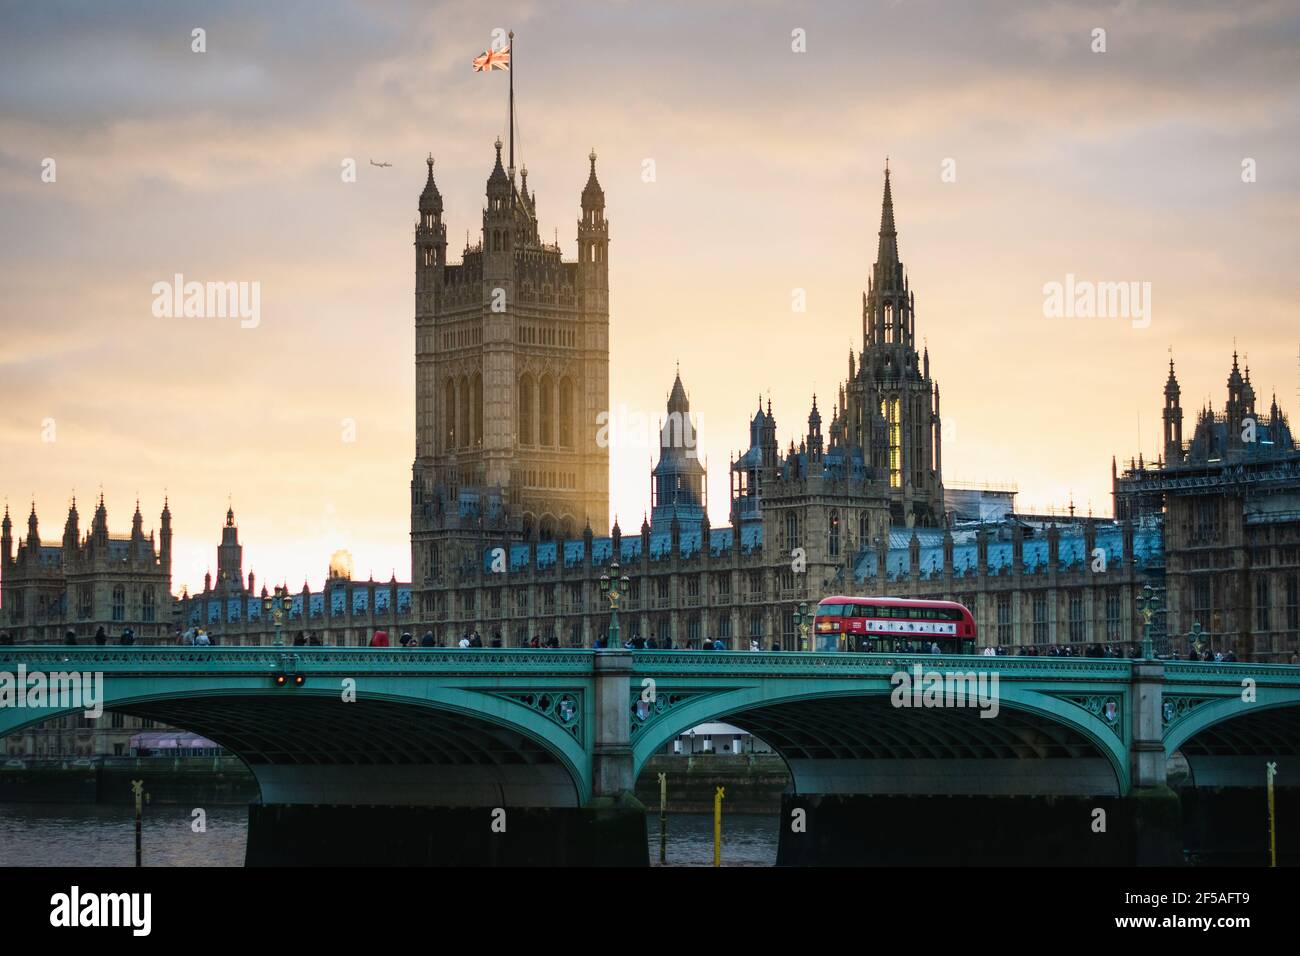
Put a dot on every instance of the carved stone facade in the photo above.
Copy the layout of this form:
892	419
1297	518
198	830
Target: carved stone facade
86	582
512	374
1229	499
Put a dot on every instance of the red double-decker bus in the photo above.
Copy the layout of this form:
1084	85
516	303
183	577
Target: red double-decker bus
892	625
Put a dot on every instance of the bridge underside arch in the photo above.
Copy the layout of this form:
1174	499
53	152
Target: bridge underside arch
864	745
1234	752
314	750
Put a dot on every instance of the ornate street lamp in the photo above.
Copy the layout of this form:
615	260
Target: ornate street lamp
615	588
803	622
1194	637
1148	604
277	606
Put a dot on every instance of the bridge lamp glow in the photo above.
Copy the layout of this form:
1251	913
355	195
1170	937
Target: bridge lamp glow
299	680
277	607
280	679
803	621
615	588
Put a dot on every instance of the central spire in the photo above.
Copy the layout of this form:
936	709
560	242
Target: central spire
887	252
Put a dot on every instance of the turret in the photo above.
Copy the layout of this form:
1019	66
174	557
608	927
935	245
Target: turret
71	533
230	556
137	529
815	446
430	240
1236	407
165	539
6	540
498	226
593	241
33	531
1173	419
99	527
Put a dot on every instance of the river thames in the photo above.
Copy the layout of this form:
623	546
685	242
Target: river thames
104	835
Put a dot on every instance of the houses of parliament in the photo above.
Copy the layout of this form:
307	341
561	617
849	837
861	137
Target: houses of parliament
509	494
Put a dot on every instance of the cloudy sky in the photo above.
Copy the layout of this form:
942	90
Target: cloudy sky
1120	166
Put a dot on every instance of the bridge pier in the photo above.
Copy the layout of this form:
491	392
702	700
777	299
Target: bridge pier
307	835
613	779
1147	757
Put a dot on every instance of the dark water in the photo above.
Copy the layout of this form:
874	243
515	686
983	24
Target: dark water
103	835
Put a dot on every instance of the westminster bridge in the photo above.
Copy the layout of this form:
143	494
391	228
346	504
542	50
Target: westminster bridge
562	734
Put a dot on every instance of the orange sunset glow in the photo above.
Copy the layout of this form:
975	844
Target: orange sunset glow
738	188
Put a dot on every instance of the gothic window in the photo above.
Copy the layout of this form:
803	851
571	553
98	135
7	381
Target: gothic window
449	415
119	604
1292	602
1261	603
526	410
146	604
1040	618
566	413
546	412
1004	619
1076	617
889	410
791	529
864	529
1112	614
547	528
476	401
1201	601
463	407
833	543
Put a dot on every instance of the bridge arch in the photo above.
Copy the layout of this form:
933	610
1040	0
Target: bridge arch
1226	743
447	746
829	738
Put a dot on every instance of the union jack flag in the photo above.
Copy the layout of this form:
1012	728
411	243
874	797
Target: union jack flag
493	60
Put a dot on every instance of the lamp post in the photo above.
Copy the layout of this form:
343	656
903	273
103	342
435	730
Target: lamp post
1194	637
803	621
1148	603
277	606
614	588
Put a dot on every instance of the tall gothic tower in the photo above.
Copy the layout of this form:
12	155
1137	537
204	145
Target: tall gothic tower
891	403
512	376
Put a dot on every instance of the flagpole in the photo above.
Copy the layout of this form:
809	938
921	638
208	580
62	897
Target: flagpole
511	71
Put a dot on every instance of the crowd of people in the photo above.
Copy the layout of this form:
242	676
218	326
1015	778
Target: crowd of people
199	637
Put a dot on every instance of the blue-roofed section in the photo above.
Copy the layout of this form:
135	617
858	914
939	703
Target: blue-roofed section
1072	551
691	541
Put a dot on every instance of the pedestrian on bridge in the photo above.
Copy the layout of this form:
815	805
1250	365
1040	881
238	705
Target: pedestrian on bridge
70	637
380	639
127	637
427	640
100	636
